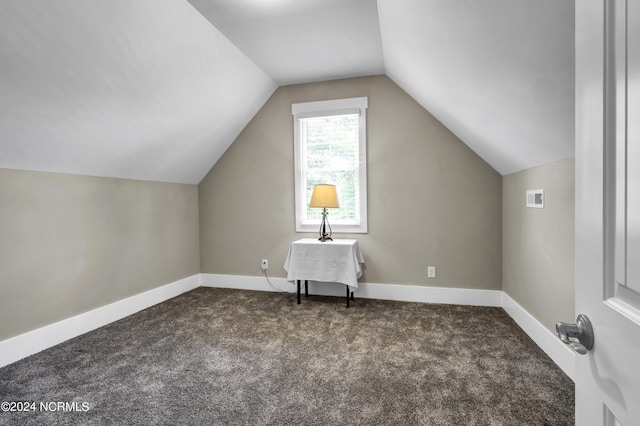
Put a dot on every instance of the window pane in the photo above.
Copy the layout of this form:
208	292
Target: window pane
332	157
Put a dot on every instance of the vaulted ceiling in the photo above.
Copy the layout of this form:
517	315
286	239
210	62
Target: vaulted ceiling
158	89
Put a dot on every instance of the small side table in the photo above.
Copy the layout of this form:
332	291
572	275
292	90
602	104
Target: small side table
330	261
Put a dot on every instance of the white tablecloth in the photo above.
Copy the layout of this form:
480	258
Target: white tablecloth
337	261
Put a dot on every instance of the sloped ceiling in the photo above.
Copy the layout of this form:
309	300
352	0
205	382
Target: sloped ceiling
498	73
297	41
143	89
158	89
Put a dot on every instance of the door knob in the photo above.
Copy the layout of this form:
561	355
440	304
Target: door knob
579	335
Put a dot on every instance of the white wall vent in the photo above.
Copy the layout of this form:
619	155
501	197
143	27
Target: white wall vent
535	198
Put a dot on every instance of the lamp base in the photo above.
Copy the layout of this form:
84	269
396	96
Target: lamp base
324	235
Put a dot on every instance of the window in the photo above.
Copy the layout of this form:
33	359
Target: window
330	147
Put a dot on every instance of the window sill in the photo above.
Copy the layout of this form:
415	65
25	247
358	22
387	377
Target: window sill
335	229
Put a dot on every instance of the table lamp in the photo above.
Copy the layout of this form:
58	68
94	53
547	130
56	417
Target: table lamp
324	196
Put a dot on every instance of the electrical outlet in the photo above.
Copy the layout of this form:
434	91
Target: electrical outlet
265	264
431	272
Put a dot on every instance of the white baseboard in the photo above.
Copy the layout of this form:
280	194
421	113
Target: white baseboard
242	282
16	348
404	293
414	293
545	339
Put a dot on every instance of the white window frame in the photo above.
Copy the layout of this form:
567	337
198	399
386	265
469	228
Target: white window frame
322	109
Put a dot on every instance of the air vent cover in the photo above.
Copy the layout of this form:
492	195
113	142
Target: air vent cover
535	198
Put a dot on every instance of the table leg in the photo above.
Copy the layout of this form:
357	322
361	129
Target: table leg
347	295
306	288
352	296
298	282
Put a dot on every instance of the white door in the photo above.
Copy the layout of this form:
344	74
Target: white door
608	209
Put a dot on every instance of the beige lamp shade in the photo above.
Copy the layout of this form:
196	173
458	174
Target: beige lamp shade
324	196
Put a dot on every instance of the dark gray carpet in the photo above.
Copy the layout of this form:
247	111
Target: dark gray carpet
215	356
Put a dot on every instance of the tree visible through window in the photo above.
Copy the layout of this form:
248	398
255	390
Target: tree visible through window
330	148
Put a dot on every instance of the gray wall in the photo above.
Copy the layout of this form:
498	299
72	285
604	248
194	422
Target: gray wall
69	244
538	244
431	200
